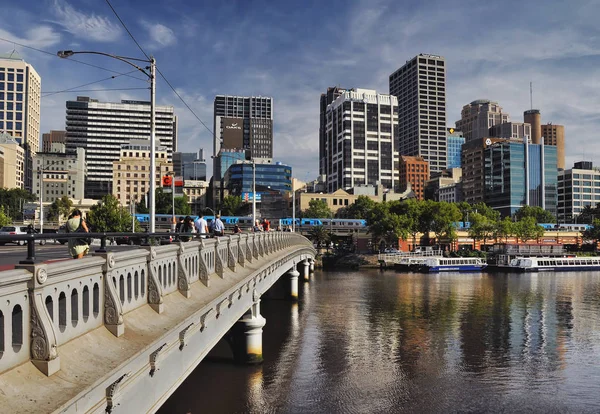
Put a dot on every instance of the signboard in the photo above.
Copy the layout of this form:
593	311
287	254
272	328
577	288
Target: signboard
248	197
233	133
179	181
167	181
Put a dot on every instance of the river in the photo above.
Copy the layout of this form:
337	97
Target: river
385	342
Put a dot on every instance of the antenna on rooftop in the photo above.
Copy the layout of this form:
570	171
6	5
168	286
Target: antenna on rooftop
531	94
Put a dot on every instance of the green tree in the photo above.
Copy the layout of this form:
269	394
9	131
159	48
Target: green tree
411	209
164	204
5	220
486	211
385	225
317	209
360	209
482	227
60	208
319	235
109	216
504	229
439	218
539	214
13	200
528	229
231	205
593	233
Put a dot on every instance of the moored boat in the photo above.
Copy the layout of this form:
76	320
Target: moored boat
549	264
453	264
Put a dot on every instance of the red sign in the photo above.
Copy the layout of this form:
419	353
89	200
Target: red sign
167	181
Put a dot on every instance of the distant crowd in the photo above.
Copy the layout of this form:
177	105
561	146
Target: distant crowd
216	227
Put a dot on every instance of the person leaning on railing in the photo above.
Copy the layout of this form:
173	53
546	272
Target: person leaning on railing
76	224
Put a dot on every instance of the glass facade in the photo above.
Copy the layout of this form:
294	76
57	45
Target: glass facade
506	186
278	177
454	148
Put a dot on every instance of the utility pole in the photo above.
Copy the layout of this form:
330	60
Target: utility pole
152	191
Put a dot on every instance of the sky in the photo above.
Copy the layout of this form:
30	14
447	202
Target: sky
293	50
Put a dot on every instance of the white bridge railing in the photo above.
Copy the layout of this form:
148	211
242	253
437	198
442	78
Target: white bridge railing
44	306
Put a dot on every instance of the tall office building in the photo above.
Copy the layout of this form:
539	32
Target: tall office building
53	137
420	86
326	99
534	118
101	128
478	117
20	92
555	135
243	123
360	147
512	130
190	165
63	175
578	187
12	162
413	170
454	144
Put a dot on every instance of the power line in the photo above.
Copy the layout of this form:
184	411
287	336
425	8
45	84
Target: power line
71	60
96	90
159	71
85	84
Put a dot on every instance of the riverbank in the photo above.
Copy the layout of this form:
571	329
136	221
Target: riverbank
347	261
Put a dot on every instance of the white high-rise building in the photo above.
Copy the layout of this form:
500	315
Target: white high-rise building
101	128
420	86
360	140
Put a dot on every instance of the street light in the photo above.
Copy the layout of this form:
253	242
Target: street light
152	77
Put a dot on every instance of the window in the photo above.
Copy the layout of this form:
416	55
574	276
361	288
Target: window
19	87
11	77
20	77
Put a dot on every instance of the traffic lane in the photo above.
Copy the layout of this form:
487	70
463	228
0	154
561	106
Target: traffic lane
10	255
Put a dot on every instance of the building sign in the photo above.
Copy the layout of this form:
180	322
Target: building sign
233	133
248	197
167	181
179	181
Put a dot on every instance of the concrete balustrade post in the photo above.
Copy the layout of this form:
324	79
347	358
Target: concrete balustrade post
113	309
261	244
241	250
231	261
255	252
245	338
155	290
218	261
293	286
183	277
304	270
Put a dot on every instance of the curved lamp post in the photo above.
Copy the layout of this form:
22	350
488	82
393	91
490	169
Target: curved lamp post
150	72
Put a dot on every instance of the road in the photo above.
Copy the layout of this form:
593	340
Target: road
11	254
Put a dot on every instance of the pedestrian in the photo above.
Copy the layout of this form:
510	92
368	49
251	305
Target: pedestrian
266	225
201	226
179	224
236	229
218	226
187	228
76	224
257	227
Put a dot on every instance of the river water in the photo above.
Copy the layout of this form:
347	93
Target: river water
384	342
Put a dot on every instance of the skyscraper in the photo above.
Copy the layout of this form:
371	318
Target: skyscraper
326	98
478	117
101	128
420	86
555	135
360	147
190	165
455	141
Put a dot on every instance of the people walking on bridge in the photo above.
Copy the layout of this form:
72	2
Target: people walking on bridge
76	224
201	226
187	228
257	227
218	226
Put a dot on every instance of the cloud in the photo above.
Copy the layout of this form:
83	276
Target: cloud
160	35
38	37
92	27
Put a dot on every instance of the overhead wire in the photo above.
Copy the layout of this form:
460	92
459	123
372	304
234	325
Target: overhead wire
97	90
45	94
159	71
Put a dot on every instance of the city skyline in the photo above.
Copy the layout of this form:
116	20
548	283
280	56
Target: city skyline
294	54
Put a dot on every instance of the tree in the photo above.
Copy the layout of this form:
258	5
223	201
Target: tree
486	211
109	216
164	204
539	214
411	210
387	226
60	208
439	218
528	229
482	227
360	209
320	236
231	205
504	229
317	209
5	220
593	233
13	200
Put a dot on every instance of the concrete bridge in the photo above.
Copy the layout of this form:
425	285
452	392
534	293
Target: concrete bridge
118	332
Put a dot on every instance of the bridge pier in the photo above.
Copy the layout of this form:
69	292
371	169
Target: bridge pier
304	269
293	277
245	338
312	265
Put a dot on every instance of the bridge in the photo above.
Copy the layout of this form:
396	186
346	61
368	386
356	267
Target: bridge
117	332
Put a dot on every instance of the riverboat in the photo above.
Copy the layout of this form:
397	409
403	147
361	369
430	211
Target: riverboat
453	264
549	264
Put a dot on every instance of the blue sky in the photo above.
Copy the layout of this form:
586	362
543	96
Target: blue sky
294	50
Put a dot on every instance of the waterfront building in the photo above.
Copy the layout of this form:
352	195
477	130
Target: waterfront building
190	165
420	86
555	135
455	140
511	130
578	187
413	172
131	172
12	162
101	128
518	174
63	174
478	117
53	137
326	99
238	179
361	144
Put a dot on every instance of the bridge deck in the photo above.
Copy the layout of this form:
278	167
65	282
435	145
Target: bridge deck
94	357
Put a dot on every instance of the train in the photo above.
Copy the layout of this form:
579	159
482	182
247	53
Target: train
165	220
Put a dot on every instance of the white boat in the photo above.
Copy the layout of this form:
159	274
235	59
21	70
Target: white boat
453	264
545	264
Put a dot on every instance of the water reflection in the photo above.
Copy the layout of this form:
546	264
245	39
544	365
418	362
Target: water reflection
388	342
